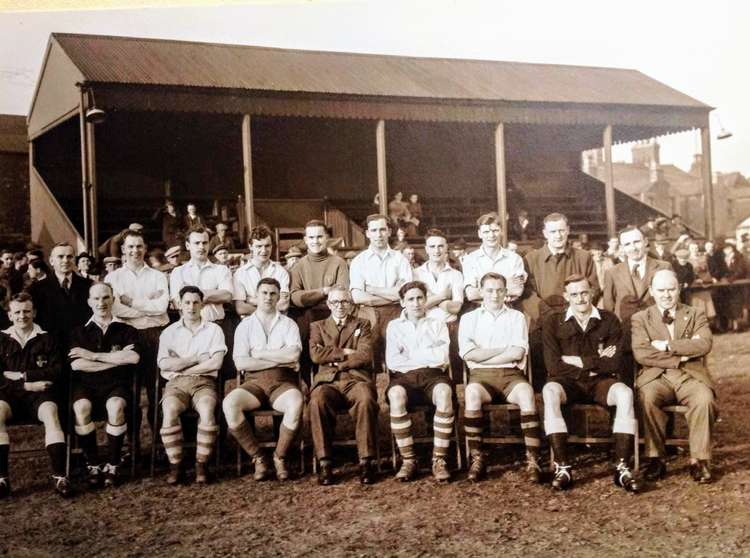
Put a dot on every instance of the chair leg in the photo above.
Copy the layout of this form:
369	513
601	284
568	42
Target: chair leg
155	433
457	440
393	451
636	450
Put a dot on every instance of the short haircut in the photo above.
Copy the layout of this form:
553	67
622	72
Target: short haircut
40	265
554	217
18	256
435	232
377	217
36	252
340	289
491	218
575	278
197	229
629	228
316	223
6	251
135	233
269	281
406	287
22	297
191	289
62	245
261	232
98	283
493	276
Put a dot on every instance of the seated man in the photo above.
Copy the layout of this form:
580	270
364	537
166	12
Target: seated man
494	340
267	347
341	346
32	364
416	354
583	357
669	342
191	352
104	352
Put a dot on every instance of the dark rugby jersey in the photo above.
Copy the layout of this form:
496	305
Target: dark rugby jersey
40	358
118	336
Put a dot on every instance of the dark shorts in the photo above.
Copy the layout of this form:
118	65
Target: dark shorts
25	404
419	384
100	391
267	385
586	391
498	382
190	389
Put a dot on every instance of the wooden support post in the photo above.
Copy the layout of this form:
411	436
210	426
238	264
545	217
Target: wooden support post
247	162
382	178
708	187
93	211
502	195
609	182
84	171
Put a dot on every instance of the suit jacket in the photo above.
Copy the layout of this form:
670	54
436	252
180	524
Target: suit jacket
59	312
327	344
692	339
623	295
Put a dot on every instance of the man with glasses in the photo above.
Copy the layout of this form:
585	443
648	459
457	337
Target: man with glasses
341	346
583	356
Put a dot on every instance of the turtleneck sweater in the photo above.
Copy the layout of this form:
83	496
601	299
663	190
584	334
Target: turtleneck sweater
313	272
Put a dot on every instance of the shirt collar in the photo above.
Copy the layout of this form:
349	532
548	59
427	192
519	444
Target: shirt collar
104	329
191	263
425	266
501	311
548	253
139	271
60	278
373	254
35	330
594	313
271	265
501	253
181	323
402	318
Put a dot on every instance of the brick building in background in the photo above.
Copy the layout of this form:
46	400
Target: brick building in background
15	221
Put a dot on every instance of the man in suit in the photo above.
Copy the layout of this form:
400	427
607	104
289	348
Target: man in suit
341	346
669	342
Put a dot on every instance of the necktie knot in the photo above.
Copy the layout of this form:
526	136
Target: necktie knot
637	271
66	284
667	318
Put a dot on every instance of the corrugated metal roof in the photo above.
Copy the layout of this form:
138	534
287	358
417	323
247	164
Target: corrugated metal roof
128	60
13	134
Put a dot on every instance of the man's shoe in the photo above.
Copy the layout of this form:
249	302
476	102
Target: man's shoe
701	471
624	478
175	474
440	469
655	469
407	471
61	484
533	470
563	478
325	472
282	472
4	487
262	468
477	469
95	477
111	475
366	471
201	472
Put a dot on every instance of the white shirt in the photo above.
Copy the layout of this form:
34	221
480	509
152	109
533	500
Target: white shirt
35	330
384	271
480	329
583	325
641	267
251	335
446	278
409	346
506	263
140	285
209	276
246	279
207	339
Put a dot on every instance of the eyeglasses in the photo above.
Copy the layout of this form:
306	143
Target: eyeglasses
338	302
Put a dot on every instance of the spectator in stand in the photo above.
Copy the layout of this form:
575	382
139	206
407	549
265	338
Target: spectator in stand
660	251
6	265
662	227
192	219
408	253
614	252
715	260
34	254
733	303
583	239
415	209
701	298
111	263
519	227
292	257
223	237
170	224
683	269
84	264
458	253
601	263
156	258
173	256
221	254
18	272
649	229
38	270
398	212
677	228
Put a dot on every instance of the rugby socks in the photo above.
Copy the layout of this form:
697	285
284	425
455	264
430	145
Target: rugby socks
559	444
474	427
205	440
245	437
87	442
115	439
4	449
532	432
57	454
171	436
401	429
624	446
286	438
442	427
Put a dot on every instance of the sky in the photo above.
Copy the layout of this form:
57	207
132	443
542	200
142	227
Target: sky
684	44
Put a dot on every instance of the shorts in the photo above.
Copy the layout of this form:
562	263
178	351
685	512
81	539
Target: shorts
25	404
498	382
419	384
97	392
190	388
586	390
267	385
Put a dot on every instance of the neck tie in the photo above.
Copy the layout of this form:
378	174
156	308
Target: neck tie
637	271
666	318
66	284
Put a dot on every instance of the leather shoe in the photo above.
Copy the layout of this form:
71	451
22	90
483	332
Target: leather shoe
4	487
175	474
262	468
325	472
201	473
655	470
407	471
533	470
701	471
625	478
366	472
563	478
62	486
477	469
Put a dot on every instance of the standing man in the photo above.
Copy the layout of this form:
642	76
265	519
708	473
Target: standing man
375	277
222	237
341	346
491	256
259	267
670	341
31	362
267	347
104	353
141	301
582	353
417	359
191	352
493	340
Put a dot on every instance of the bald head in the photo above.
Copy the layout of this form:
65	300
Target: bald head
665	288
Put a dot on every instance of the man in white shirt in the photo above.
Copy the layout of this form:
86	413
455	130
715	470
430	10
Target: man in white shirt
491	256
417	359
141	299
191	352
375	277
258	267
267	348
